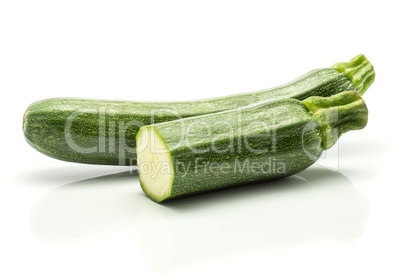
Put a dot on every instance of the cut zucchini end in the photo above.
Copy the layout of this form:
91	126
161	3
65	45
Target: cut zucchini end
154	164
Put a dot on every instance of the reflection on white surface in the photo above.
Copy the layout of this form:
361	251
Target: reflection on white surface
86	209
314	205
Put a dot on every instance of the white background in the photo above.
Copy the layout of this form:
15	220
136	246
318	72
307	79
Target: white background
65	220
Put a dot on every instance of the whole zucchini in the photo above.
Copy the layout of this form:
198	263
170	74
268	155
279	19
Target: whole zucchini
103	132
251	144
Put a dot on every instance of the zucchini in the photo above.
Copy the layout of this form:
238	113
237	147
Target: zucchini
103	132
247	145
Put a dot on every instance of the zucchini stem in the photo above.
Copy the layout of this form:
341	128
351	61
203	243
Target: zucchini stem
359	70
337	115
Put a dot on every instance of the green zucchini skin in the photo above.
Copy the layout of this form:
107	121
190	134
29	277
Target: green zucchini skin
103	132
294	149
242	146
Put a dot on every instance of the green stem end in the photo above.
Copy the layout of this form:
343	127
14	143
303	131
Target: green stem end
359	70
337	115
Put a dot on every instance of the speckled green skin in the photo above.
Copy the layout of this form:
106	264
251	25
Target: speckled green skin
210	152
110	140
284	131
